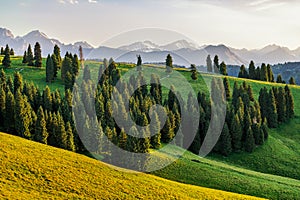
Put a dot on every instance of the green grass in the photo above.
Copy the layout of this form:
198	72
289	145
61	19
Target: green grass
34	171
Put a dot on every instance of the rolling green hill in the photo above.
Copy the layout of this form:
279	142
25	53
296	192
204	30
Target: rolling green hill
34	171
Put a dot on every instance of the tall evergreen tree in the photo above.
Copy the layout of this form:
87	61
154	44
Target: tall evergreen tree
236	133
272	116
169	63
155	131
279	79
194	75
223	69
30	58
289	103
49	69
225	141
243	72
249	143
139	63
24	60
6	62
216	64
38	55
292	81
281	105
209	64
56	65
270	73
9	120
18	82
2	106
264	73
11	52
252	73
69	145
41	134
227	88
56	52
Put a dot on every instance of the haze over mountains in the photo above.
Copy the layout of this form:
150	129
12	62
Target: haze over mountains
182	51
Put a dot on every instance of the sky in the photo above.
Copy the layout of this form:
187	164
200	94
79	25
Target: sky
236	23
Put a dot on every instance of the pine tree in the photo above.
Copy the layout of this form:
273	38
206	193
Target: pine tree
223	69
249	143
225	141
56	52
139	63
47	99
41	134
243	72
281	105
169	64
155	131
9	120
264	73
236	133
37	55
18	82
2	51
209	64
56	65
49	70
66	67
227	88
272	116
2	106
292	81
289	103
270	73
69	145
216	65
252	73
257	72
11	52
250	93
279	79
30	58
194	75
24	61
6	62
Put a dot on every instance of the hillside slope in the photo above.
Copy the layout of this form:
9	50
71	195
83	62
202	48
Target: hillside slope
34	171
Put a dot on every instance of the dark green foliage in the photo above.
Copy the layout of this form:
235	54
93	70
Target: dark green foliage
69	144
56	65
6	62
271	114
279	79
49	69
225	141
9	120
264	73
194	75
11	52
281	105
270	73
289	103
41	134
2	51
236	133
249	143
216	65
252	72
56	52
66	66
139	63
47	99
24	60
37	55
226	87
155	131
169	64
209	64
223	69
2	105
18	82
243	72
292	81
30	58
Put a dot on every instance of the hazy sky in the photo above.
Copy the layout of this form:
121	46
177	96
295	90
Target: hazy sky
237	23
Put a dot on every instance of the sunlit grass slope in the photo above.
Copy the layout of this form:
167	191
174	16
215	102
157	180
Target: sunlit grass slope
34	171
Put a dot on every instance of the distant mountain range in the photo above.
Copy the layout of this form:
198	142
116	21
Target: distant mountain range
183	52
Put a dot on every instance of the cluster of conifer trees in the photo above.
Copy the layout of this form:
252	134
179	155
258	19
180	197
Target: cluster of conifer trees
40	116
263	73
35	58
7	52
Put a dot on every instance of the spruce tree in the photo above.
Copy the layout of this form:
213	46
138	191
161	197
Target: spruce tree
281	105
270	73
289	103
264	73
66	67
47	99
223	69
2	51
169	64
227	88
41	134
292	81
249	143
24	60
216	65
243	72
209	64
272	116
279	79
30	58
2	106
250	93
252	73
225	141
6	62
56	65
155	131
139	63
69	145
11	52
236	133
9	120
38	55
49	70
18	82
56	52
194	75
